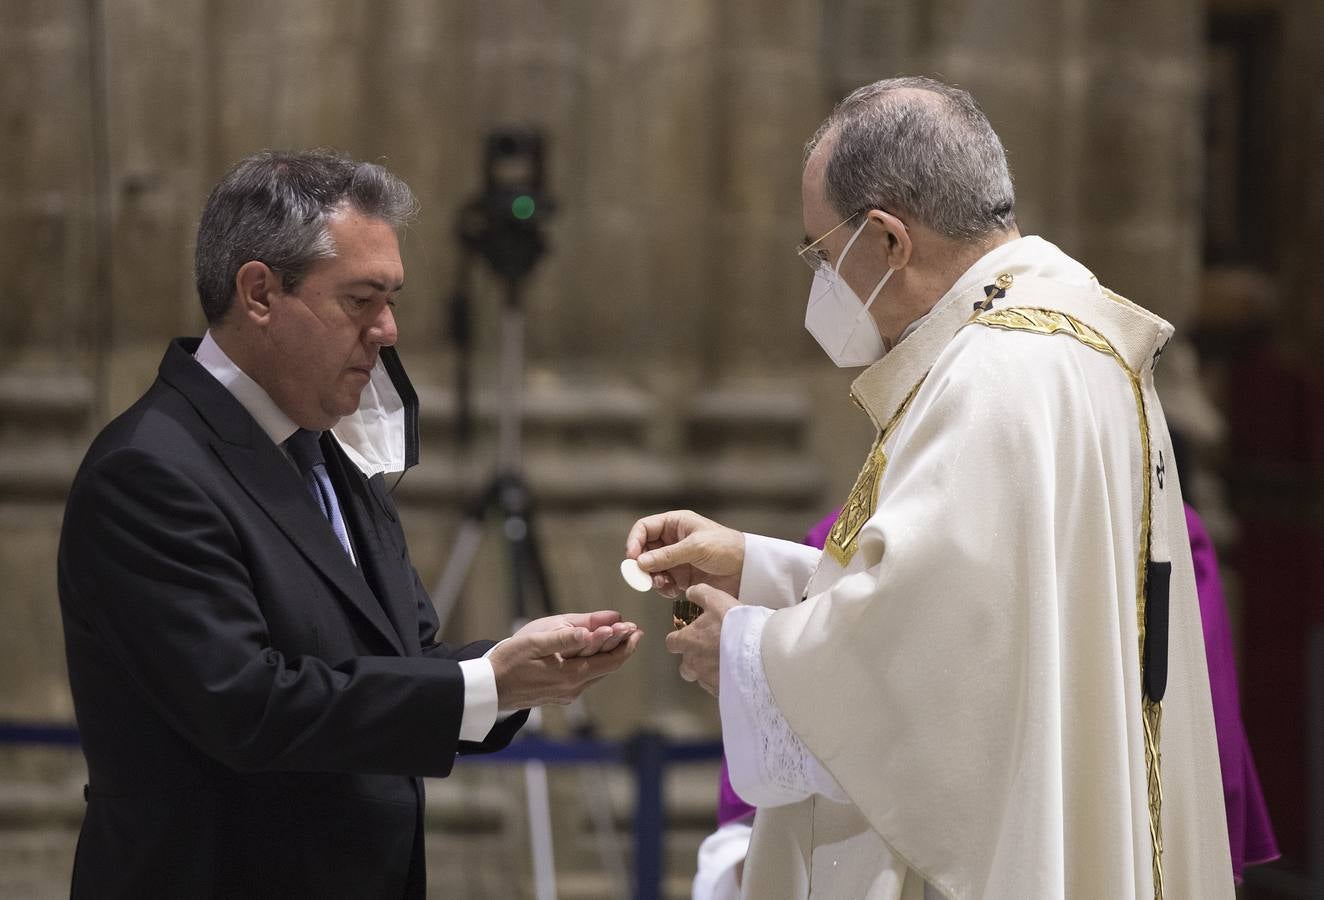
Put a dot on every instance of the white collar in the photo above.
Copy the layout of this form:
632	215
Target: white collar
248	392
1029	255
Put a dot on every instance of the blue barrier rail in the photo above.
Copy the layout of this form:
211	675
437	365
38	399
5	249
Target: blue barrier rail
647	754
38	733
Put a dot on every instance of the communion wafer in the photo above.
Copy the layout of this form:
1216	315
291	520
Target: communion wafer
634	576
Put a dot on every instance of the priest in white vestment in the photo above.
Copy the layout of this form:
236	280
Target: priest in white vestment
991	683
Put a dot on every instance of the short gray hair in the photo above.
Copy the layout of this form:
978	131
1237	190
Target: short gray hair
920	147
273	207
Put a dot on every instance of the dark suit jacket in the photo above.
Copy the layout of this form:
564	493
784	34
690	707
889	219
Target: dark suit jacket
254	709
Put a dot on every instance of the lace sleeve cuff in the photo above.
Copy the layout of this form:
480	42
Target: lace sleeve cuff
769	764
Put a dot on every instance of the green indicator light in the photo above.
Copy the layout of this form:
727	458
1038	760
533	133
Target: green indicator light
522	207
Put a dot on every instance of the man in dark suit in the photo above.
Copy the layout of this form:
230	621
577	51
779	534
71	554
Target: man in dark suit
254	662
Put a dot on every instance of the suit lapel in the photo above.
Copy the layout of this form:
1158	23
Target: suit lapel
264	473
267	477
380	559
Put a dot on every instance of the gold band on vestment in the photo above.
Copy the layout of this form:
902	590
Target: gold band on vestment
863	497
1047	322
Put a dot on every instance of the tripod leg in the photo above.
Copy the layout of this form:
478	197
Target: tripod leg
535	569
516	529
457	568
463	551
527	576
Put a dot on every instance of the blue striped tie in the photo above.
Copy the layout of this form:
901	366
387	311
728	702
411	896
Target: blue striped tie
307	455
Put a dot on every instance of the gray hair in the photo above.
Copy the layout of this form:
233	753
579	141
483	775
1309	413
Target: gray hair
918	146
274	207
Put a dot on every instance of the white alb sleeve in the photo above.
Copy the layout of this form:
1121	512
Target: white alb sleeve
768	763
776	572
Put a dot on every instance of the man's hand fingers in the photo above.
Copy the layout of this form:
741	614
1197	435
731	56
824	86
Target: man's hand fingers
701	595
591	668
601	625
635	539
545	667
710	599
589	620
602	617
647	529
629	642
597	639
619	632
670	556
565	641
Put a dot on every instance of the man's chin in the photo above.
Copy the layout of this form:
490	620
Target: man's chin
346	405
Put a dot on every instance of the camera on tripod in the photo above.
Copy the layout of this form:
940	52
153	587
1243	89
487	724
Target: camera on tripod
504	223
504	226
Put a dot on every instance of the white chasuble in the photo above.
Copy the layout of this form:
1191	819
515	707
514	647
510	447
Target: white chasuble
967	663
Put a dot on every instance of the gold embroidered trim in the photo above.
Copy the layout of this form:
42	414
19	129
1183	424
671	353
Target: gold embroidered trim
859	506
1153	714
1050	321
1047	321
863	497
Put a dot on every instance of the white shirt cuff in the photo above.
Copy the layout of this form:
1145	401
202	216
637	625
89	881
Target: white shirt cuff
776	572
480	699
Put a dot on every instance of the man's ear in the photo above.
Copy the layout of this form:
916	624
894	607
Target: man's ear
255	287
898	238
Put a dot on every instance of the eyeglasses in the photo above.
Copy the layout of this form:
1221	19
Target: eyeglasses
814	256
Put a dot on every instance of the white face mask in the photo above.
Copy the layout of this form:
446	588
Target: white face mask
382	434
839	321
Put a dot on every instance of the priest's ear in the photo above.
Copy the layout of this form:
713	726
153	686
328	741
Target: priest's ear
897	238
256	284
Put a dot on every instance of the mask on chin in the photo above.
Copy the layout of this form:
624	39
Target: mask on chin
839	321
382	434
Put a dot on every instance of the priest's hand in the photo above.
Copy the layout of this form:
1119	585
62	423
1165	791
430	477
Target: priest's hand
540	665
699	643
682	548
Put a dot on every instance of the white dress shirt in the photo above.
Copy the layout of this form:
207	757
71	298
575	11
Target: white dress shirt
480	692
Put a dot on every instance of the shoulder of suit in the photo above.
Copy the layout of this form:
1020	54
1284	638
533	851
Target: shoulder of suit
162	423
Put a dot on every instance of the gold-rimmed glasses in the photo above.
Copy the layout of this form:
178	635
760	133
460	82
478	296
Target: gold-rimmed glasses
814	256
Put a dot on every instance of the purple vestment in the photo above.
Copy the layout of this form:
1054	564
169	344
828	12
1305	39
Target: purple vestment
1249	832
